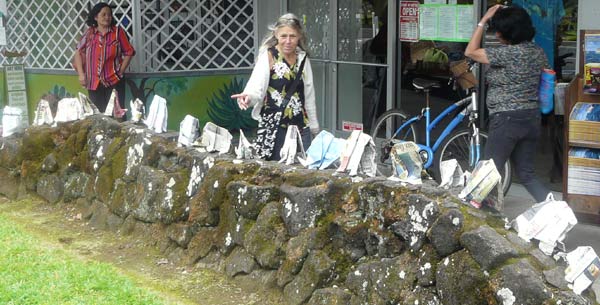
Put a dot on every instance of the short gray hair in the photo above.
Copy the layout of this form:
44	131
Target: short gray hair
289	20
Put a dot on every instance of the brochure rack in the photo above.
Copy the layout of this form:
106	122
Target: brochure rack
581	175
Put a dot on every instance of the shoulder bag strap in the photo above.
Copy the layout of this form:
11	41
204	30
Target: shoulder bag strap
293	86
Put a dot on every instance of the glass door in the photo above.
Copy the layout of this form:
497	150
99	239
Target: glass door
316	15
348	44
362	61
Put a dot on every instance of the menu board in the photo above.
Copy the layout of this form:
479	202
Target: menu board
446	22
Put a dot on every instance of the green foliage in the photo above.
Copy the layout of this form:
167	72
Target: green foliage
168	86
60	92
33	275
225	112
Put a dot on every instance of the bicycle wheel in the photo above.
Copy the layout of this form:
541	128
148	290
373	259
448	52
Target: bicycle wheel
456	146
384	132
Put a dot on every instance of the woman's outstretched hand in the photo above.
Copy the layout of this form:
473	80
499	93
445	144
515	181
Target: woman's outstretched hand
242	100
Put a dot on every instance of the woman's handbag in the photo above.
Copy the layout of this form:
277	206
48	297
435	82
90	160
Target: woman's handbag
462	74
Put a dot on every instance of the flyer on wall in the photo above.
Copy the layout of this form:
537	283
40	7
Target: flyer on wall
591	59
409	21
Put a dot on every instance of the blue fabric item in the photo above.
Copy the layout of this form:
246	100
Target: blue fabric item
546	16
324	150
546	92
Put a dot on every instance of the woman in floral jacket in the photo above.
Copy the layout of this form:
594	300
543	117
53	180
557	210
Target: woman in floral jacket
279	60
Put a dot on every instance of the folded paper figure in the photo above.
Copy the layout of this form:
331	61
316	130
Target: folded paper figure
451	173
583	269
13	120
157	115
137	110
188	130
111	104
547	221
324	150
113	108
291	146
89	108
484	178
43	114
358	154
68	109
215	138
348	150
245	150
72	109
367	165
406	162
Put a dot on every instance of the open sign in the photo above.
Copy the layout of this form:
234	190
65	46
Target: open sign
410	11
409	20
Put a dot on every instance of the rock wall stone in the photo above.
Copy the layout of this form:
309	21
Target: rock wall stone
315	236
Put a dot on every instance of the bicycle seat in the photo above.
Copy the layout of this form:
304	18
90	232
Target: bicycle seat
425	84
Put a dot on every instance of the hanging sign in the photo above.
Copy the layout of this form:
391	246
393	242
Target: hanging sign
409	20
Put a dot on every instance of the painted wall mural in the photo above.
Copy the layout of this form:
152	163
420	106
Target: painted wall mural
225	111
205	97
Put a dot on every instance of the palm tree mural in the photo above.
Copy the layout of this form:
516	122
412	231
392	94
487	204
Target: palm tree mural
166	86
60	92
224	111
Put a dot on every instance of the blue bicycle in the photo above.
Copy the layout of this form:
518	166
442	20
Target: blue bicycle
455	142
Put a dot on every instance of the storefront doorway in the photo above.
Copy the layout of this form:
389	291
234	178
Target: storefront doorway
362	67
352	58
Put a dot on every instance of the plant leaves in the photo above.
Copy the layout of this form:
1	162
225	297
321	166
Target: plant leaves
225	112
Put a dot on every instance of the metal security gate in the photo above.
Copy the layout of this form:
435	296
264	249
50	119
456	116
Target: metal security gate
194	35
173	36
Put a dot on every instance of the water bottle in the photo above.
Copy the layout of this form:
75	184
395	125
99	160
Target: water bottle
546	90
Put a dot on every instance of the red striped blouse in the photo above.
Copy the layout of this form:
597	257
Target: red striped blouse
102	55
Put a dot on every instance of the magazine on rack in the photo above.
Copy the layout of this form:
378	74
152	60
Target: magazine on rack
591	68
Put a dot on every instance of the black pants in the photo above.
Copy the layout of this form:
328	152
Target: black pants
513	135
101	95
280	139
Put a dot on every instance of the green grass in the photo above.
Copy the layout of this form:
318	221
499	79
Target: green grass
31	274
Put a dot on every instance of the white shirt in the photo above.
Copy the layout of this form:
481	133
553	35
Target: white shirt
257	85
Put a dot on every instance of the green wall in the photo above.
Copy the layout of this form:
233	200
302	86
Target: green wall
193	95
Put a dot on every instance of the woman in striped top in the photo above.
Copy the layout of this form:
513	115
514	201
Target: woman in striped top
102	56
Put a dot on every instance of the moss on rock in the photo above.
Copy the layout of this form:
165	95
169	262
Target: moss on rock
37	143
267	239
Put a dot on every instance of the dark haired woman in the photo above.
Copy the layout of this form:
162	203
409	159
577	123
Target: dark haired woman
102	56
512	98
